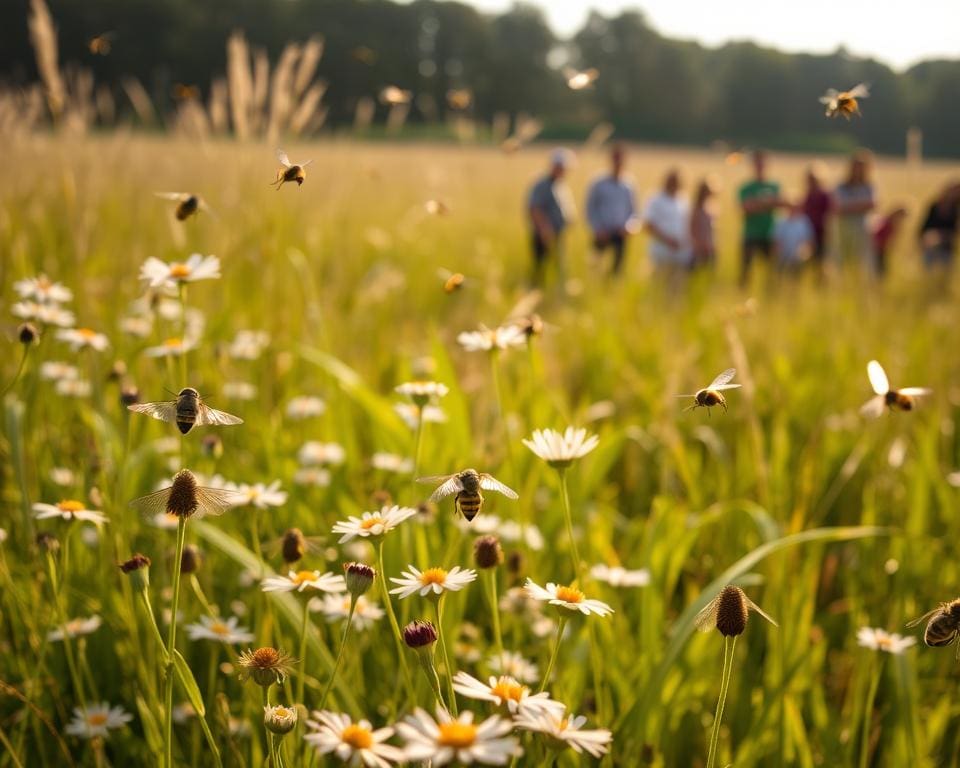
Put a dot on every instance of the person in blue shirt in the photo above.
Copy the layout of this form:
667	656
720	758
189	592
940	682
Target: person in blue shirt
611	210
550	209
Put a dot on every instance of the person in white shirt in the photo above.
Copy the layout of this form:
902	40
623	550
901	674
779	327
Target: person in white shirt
793	240
611	210
667	222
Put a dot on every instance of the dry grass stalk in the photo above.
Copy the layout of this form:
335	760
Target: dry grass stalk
240	83
281	84
307	67
308	106
363	114
43	36
140	100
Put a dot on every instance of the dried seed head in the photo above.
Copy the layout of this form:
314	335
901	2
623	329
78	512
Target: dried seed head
182	501
129	395
117	371
732	609
279	719
426	511
191	559
27	333
47	542
359	578
516	565
294	545
265	666
138	569
487	552
212	446
419	634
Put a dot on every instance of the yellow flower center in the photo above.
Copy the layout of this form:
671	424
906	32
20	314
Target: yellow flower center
173	343
86	333
303	576
884	642
508	688
457	735
69	505
357	737
433	576
98	718
219	628
179	270
281	712
569	595
372	522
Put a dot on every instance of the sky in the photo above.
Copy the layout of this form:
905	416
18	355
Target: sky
897	32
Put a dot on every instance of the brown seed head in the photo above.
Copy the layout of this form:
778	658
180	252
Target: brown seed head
732	609
182	501
28	333
265	666
135	563
359	577
129	395
138	569
419	634
190	560
516	565
47	542
117	371
487	552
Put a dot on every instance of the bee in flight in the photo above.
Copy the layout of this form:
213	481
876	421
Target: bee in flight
895	399
186	498
290	171
577	80
100	45
713	394
943	626
467	486
844	102
187	204
452	281
187	411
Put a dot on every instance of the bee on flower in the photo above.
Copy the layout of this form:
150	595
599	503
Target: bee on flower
432	582
159	274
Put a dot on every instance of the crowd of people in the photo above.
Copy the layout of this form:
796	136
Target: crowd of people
841	227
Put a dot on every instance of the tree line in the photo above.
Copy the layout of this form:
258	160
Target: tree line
651	87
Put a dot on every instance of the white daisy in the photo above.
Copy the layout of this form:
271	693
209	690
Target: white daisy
506	691
159	274
62	476
373	523
618	576
48	314
391	462
514	665
280	719
485	339
561	449
567	731
73	388
75	628
337	607
433	581
412	413
172	347
422	392
219	630
97	720
139	326
259	495
570	598
305	407
353	743
239	390
54	370
248	345
298	581
448	740
68	509
879	640
317	476
315	454
43	289
79	338
183	712
165	521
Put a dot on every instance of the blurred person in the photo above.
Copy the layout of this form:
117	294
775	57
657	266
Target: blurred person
794	240
884	231
853	200
759	199
611	210
938	233
550	208
816	206
666	221
702	241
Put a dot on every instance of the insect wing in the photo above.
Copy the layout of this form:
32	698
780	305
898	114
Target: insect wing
490	483
756	608
282	157
921	619
873	407
915	391
706	619
152	504
216	501
723	378
163	411
878	378
304	165
207	415
177	196
859	91
449	484
721	387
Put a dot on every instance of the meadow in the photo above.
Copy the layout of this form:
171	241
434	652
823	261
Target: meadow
830	522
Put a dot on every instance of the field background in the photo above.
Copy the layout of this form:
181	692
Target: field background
343	275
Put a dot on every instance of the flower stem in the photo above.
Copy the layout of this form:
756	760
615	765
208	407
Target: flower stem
388	604
498	391
55	585
556	652
16	376
565	499
495	611
729	643
343	644
183	333
171	641
868	716
446	657
301	678
271	744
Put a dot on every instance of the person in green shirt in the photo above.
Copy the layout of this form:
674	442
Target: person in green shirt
759	199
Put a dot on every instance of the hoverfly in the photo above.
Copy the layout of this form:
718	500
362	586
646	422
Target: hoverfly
467	485
712	395
290	171
943	626
185	498
844	102
577	80
187	411
894	399
187	204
